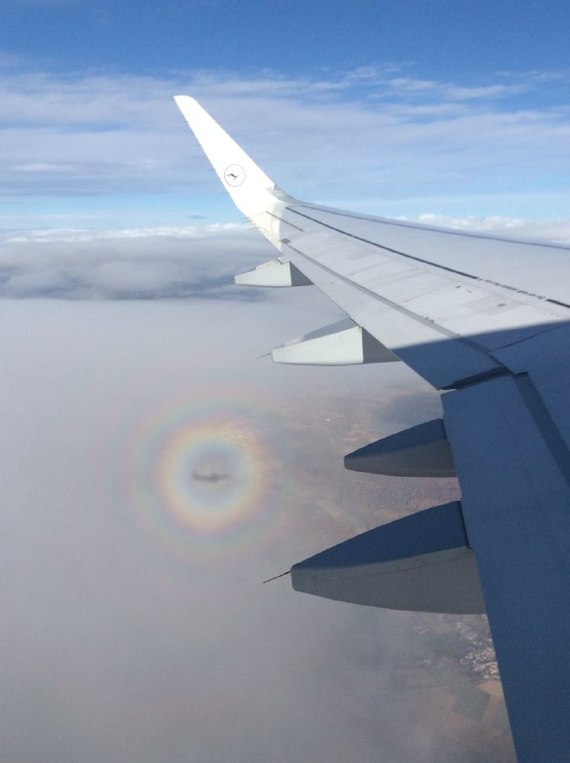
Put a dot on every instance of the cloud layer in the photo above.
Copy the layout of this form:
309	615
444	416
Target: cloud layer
134	631
130	264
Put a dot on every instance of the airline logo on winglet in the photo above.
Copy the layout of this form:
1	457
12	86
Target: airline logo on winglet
234	175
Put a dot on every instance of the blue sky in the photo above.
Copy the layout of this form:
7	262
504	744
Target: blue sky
442	38
398	108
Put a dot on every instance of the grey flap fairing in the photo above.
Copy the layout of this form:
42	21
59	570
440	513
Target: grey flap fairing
421	562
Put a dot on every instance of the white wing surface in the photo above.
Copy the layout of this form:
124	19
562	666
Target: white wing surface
484	320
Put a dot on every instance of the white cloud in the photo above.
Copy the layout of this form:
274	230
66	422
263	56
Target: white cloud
555	231
130	634
164	263
448	92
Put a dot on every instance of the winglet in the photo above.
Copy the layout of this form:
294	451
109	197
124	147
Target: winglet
251	190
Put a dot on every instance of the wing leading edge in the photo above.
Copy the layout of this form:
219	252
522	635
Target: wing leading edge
485	321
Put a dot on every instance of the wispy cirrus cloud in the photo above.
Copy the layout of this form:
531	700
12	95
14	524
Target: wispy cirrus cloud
371	133
554	231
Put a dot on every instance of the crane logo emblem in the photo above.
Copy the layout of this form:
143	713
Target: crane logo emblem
234	175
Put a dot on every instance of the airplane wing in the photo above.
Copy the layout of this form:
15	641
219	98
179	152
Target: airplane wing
485	321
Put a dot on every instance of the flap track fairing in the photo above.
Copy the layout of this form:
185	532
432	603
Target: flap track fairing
421	451
421	563
273	273
342	343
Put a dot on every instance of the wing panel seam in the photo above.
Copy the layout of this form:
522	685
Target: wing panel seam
433	229
285	222
429	262
404	311
399	308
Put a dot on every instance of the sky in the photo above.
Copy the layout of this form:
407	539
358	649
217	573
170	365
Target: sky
457	110
135	625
